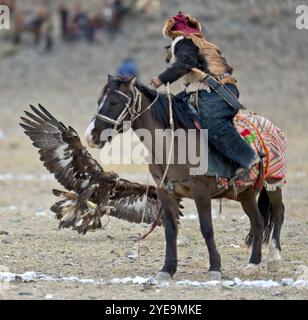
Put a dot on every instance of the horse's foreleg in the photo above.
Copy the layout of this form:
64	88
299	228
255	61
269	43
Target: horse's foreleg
277	207
203	202
170	211
249	205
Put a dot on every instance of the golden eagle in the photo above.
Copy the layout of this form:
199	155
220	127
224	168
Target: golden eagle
92	192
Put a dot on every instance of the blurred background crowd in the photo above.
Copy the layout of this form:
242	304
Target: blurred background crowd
45	24
74	20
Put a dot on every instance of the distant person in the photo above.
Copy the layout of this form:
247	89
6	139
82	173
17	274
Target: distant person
119	11
113	14
107	14
80	20
46	31
128	68
64	20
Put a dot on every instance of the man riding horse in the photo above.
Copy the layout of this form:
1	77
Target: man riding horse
214	96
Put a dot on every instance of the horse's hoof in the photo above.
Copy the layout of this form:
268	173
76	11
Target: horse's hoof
214	276
252	269
274	258
163	276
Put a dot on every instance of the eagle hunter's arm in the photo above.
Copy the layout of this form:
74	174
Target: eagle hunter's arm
186	55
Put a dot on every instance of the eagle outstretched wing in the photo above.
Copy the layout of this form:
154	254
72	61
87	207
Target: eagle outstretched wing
61	151
93	192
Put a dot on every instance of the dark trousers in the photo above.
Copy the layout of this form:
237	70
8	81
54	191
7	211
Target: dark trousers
217	116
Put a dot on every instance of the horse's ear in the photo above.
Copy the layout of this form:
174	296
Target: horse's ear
109	78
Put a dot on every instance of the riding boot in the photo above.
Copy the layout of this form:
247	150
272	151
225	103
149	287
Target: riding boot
224	137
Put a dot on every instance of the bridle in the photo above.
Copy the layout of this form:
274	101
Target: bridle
132	107
129	108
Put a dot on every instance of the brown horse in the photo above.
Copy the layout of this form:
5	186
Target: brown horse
125	100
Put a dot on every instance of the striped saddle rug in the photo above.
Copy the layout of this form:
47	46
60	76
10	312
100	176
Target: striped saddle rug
263	136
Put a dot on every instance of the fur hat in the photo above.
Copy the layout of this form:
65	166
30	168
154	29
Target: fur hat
180	25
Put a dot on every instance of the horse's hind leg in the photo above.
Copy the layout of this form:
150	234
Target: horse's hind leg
277	208
249	205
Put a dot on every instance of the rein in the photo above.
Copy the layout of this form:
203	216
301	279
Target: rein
171	124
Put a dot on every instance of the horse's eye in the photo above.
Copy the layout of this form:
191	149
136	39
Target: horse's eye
113	103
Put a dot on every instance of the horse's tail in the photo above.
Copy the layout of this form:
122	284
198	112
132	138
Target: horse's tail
265	209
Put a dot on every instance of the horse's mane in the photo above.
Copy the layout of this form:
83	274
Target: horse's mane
182	116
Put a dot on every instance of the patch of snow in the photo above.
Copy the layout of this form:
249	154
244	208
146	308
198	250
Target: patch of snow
121	280
229	283
140	280
28	276
33	276
300	284
137	280
189	283
231	245
260	284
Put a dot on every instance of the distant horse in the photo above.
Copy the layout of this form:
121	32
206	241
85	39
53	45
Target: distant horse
123	99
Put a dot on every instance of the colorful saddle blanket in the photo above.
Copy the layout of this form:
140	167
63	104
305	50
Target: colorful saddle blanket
263	136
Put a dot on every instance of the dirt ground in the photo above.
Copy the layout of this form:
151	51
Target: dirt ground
67	82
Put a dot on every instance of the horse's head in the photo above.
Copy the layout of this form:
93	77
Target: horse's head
115	105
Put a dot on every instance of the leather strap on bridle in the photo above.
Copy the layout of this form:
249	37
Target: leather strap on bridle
132	106
127	109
